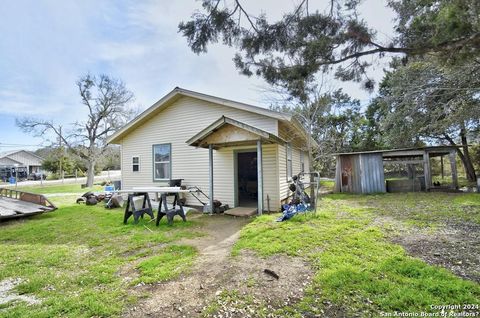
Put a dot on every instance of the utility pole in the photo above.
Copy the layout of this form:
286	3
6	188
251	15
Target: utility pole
16	176
61	150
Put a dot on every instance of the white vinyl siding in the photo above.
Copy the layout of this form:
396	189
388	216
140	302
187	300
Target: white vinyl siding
270	177
175	125
289	162
282	171
297	142
296	168
302	161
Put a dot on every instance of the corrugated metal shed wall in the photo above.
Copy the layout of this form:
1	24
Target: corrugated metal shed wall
371	173
360	173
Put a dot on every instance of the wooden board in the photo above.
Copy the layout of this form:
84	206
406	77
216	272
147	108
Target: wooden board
240	211
11	207
156	190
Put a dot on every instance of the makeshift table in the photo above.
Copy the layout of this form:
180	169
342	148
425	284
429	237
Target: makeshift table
147	207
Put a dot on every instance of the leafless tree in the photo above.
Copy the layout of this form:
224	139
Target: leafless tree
306	112
107	101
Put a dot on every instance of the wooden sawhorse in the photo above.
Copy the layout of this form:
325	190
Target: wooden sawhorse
130	209
170	213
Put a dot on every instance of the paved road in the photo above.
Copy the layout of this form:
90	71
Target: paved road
105	175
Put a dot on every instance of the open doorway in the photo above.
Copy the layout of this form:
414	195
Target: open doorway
247	179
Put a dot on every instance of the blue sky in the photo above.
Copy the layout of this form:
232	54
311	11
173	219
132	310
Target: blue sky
46	45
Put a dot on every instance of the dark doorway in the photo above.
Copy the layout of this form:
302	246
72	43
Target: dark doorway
247	179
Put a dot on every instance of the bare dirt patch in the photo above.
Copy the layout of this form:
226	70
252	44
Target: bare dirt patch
455	246
216	273
8	295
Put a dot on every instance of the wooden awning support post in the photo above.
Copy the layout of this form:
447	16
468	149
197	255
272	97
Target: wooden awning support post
453	165
210	176
441	167
260	177
426	170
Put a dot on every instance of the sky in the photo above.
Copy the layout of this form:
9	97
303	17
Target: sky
47	45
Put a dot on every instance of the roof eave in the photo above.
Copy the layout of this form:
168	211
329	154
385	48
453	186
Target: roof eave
298	125
195	141
177	91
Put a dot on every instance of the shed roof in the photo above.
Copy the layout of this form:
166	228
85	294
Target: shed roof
413	150
241	134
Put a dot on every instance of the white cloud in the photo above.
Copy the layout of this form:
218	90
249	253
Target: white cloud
57	42
117	51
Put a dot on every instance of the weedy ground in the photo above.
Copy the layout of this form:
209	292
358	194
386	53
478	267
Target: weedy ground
70	259
57	188
357	256
360	269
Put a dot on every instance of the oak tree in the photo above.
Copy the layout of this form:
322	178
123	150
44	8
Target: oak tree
107	103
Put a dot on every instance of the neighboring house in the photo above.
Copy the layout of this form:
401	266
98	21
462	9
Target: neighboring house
176	137
21	158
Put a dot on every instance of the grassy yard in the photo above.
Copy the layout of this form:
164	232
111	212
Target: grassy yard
358	270
58	188
71	258
76	259
327	185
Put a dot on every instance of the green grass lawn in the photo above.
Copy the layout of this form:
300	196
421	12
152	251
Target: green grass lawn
71	259
327	184
58	188
356	267
74	259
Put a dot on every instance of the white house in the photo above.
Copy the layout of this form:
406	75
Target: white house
22	158
242	153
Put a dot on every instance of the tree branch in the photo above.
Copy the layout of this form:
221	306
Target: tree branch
246	15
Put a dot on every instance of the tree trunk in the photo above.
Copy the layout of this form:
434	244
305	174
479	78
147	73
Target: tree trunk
90	172
313	199
464	156
467	161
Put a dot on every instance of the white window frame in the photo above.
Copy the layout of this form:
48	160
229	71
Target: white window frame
289	162
169	162
135	164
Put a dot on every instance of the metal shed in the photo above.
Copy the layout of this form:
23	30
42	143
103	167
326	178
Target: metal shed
363	172
360	173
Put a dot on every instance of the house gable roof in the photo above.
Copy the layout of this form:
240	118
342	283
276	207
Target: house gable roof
241	133
178	92
7	154
9	161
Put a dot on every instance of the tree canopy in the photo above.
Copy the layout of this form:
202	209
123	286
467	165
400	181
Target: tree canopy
424	101
292	51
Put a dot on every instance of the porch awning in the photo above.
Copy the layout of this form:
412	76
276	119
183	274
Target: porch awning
227	132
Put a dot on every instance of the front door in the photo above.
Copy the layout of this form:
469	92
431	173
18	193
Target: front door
247	179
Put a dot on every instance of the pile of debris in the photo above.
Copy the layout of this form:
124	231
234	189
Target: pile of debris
201	197
301	201
111	200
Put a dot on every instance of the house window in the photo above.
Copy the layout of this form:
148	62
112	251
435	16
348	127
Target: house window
302	161
135	164
162	155
289	161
